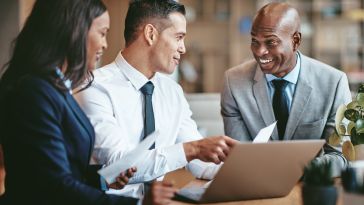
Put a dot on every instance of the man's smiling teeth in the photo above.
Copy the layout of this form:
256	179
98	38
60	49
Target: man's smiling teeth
265	61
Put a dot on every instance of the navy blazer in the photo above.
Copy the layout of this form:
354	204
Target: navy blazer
48	141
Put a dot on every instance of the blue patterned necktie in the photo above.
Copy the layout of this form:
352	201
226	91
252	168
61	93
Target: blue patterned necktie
280	106
149	125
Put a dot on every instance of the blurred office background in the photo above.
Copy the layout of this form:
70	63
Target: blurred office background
218	37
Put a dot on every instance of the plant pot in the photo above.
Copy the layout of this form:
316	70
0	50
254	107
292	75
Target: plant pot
319	195
359	152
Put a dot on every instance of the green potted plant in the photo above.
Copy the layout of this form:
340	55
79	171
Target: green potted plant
349	122
318	185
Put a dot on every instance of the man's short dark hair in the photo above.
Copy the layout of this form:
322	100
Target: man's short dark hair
141	11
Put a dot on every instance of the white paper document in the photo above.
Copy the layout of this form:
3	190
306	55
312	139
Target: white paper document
130	159
264	134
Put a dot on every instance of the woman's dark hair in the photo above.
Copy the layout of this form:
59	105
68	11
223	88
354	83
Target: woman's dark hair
141	11
55	33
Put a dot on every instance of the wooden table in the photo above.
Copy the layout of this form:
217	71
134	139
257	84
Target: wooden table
293	198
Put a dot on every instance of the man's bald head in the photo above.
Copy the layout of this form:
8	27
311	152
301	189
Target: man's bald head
275	38
280	15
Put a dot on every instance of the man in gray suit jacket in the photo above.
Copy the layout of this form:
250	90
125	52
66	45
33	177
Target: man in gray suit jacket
305	107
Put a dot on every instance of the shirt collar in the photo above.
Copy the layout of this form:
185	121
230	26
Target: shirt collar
136	78
67	82
292	76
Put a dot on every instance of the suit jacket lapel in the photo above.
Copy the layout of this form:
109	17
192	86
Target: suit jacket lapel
262	98
82	118
300	100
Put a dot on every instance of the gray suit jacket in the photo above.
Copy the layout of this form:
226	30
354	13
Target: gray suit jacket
246	106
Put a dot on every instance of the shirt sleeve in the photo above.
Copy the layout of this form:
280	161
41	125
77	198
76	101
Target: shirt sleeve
203	170
188	128
109	143
188	132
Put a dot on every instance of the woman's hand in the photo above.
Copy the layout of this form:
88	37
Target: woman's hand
123	179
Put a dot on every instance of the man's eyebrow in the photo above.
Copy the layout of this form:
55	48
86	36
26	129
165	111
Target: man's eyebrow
181	33
270	36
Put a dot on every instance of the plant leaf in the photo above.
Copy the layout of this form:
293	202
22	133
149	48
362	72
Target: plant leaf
352	105
359	125
339	116
360	98
351	125
334	139
348	151
351	114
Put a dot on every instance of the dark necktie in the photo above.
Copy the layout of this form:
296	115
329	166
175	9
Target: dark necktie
149	125
280	106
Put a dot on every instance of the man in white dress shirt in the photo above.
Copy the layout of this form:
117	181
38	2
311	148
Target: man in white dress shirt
154	35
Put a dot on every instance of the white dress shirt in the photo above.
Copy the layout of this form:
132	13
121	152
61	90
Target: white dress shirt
114	105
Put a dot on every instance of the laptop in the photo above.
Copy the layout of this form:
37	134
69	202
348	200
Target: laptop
256	171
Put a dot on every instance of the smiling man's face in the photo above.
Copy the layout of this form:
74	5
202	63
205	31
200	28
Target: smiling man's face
274	44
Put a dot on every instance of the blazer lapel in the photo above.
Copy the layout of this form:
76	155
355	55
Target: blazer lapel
262	98
300	100
82	118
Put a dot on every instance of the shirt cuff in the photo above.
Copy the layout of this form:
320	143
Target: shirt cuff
203	170
176	156
103	184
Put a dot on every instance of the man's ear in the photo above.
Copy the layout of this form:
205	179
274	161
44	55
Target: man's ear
150	34
296	40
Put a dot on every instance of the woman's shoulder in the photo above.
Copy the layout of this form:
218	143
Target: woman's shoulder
34	83
33	87
32	95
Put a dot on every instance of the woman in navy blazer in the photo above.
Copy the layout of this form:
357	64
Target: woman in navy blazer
47	139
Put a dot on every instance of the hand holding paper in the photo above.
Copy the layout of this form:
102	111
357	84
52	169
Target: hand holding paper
123	179
112	171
